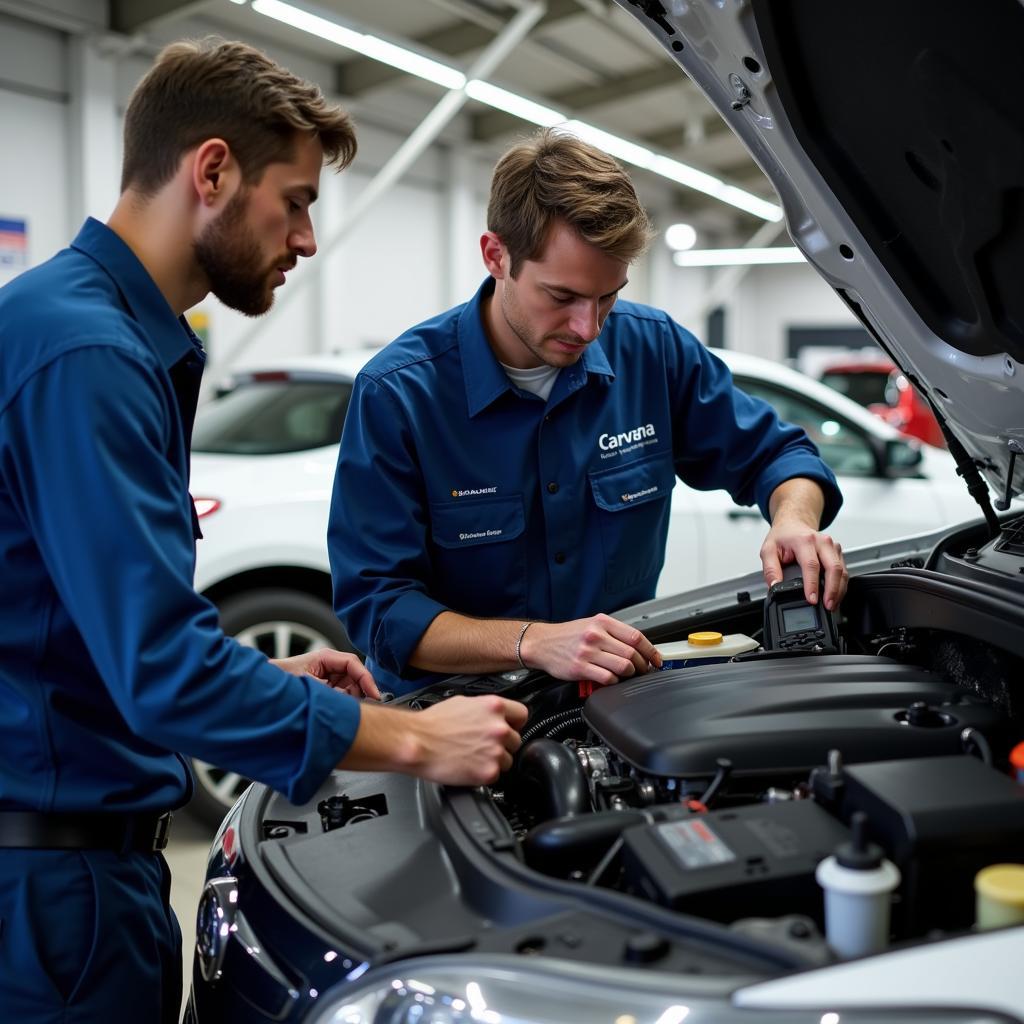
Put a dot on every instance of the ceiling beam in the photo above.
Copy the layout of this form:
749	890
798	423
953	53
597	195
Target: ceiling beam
361	74
133	16
676	135
491	124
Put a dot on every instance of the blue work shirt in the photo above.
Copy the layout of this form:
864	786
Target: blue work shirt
455	490
109	660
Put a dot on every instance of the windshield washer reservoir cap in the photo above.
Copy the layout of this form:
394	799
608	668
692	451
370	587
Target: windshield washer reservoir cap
707	639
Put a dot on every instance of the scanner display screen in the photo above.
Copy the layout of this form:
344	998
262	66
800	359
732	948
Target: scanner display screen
801	617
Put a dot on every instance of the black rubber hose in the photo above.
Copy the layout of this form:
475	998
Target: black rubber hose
575	844
557	721
553	778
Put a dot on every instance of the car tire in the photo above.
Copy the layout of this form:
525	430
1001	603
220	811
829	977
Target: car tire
280	623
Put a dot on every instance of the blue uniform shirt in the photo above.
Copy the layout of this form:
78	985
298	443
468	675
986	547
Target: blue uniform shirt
457	491
109	660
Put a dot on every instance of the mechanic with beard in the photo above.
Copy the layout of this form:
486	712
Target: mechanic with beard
506	468
109	660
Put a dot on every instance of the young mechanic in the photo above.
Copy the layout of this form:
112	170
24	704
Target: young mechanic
109	660
506	468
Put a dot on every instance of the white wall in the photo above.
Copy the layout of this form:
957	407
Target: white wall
34	184
415	252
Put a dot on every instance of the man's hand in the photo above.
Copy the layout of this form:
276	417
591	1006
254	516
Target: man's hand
796	506
599	650
468	741
337	669
463	741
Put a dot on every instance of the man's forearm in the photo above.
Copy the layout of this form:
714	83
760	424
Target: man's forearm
456	643
798	498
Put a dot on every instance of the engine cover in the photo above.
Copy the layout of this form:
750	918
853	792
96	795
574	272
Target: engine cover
772	715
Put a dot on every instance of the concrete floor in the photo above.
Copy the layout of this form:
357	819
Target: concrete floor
186	855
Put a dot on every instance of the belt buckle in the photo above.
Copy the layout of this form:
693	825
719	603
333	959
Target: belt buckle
163	832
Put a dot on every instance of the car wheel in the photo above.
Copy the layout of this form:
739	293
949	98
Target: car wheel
280	623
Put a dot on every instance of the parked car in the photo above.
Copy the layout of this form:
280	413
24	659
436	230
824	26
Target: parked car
653	854
264	454
882	388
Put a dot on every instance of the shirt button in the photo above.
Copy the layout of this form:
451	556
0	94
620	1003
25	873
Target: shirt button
560	558
552	488
547	417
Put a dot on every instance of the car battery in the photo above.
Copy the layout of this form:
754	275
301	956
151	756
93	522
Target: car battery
729	864
940	820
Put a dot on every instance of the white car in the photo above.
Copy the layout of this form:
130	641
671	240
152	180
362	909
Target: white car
263	461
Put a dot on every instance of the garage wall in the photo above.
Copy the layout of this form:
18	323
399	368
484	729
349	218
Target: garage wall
34	132
415	253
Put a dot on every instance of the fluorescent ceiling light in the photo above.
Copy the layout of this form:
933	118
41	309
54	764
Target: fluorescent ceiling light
611	144
516	105
370	46
737	257
511	103
680	236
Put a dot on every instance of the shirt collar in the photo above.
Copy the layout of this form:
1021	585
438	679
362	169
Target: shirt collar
484	378
170	336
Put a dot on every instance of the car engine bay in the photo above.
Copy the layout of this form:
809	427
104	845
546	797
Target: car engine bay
679	820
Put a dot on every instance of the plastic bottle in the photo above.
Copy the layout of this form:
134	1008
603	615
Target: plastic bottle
999	895
705	647
858	883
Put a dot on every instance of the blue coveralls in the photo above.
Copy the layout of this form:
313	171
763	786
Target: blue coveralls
457	490
109	660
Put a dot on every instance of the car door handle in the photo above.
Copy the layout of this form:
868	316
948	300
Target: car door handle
743	513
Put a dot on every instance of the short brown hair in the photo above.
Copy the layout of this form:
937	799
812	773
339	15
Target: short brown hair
210	88
556	176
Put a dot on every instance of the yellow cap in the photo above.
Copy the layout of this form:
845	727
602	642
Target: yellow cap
704	639
1003	883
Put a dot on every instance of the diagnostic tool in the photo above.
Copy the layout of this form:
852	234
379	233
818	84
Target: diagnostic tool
791	624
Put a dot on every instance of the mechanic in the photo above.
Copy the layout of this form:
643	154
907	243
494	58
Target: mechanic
506	468
109	660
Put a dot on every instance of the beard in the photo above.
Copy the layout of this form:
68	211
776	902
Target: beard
228	252
520	327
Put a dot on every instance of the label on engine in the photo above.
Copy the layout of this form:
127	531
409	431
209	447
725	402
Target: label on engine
695	843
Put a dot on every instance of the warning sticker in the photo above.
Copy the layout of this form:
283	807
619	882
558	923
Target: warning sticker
695	844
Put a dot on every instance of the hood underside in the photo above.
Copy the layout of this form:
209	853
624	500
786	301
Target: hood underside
895	141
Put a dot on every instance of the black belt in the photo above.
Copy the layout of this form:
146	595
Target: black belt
34	830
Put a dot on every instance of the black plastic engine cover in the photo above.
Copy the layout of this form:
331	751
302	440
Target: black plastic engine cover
777	715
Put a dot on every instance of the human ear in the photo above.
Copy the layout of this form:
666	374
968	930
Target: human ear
495	255
215	172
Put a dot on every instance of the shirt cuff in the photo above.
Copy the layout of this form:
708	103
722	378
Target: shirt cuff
333	722
800	465
401	628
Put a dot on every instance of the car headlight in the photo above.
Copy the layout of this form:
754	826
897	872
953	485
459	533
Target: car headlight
504	990
215	921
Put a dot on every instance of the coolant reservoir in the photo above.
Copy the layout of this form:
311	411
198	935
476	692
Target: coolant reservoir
705	647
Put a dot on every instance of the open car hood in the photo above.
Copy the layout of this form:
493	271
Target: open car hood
894	140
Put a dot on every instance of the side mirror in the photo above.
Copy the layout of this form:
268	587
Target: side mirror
901	459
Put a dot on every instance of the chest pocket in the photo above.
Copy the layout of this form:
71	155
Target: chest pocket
633	502
479	554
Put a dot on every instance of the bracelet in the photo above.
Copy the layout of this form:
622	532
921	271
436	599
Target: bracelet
519	644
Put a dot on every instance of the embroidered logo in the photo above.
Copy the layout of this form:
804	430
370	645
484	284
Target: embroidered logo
470	491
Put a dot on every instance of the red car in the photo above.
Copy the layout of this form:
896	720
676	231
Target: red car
884	389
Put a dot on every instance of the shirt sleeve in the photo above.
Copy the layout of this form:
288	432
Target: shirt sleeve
726	439
88	469
377	533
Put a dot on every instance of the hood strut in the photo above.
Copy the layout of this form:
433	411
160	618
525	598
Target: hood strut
965	466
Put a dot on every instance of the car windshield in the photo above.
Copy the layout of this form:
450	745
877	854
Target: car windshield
271	417
864	387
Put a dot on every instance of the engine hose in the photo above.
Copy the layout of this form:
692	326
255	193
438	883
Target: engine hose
556	782
560	719
576	844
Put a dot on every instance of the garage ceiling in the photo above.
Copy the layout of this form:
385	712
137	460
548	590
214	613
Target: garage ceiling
587	58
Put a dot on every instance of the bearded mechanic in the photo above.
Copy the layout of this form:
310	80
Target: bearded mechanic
506	468
110	662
